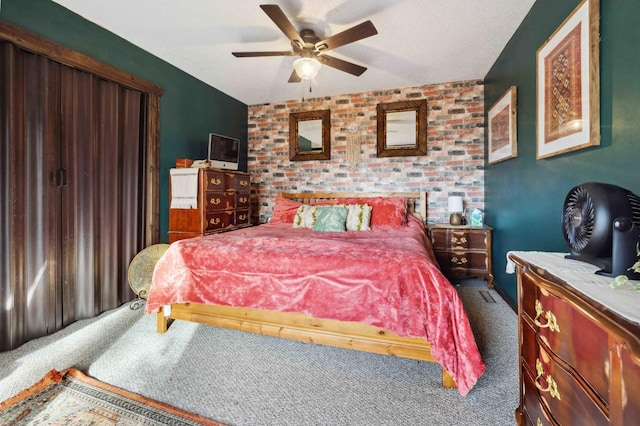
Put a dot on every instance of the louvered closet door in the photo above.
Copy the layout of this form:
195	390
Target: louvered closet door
71	194
29	197
102	196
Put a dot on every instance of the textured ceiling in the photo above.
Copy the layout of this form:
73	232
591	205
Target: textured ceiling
418	42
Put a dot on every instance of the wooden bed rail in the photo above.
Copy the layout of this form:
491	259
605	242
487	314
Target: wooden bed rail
304	328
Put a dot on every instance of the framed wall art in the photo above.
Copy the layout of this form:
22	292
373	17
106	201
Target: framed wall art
568	84
503	128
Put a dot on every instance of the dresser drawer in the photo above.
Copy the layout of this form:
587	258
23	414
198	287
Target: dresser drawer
243	217
238	181
219	220
630	383
460	239
560	392
216	201
243	200
213	181
534	408
569	334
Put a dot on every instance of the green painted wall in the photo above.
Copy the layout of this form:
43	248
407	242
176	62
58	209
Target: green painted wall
524	196
189	108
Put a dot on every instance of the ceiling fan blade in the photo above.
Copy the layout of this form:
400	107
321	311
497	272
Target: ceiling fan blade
360	31
294	78
271	53
278	17
345	66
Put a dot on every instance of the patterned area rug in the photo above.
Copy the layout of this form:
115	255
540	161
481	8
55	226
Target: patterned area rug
72	398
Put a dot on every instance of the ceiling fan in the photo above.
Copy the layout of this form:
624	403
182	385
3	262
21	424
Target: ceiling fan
310	48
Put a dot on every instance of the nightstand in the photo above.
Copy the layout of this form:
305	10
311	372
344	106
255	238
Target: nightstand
462	251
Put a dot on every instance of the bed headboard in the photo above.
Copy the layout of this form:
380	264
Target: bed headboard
416	201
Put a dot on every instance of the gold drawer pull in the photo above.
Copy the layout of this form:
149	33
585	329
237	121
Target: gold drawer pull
461	261
242	217
214	221
216	181
551	324
243	199
552	386
539	422
244	183
456	240
215	201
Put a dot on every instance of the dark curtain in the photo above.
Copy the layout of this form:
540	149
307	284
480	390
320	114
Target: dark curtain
72	194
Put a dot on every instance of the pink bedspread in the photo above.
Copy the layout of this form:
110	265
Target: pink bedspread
385	277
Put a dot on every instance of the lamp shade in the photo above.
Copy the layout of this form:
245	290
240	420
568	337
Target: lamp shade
454	204
307	68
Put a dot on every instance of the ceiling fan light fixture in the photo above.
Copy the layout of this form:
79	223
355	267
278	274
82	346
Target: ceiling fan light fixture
307	68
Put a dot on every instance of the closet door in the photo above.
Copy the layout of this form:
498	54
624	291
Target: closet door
30	239
72	193
102	208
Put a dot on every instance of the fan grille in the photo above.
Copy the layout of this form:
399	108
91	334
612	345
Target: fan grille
634	202
578	218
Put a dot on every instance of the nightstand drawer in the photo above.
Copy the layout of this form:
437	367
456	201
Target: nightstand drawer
459	239
462	259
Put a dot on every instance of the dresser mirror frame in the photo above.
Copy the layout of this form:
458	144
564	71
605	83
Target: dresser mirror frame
407	120
310	135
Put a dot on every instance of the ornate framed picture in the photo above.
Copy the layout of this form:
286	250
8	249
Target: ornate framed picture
568	84
503	128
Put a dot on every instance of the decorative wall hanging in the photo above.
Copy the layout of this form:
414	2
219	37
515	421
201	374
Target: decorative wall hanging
568	84
353	145
502	127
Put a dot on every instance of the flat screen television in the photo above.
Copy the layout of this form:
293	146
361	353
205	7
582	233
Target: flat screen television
224	152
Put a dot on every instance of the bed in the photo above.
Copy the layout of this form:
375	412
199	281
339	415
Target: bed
377	290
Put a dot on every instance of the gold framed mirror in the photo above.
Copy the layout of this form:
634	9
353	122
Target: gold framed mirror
310	135
402	128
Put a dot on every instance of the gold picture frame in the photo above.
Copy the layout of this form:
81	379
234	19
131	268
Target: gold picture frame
503	134
568	84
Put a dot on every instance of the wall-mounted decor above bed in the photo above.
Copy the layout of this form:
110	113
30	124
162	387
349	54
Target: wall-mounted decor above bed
402	128
310	135
378	290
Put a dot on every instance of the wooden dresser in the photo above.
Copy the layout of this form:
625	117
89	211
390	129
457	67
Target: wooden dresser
579	344
463	251
223	204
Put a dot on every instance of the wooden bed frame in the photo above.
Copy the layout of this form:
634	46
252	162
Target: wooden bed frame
296	326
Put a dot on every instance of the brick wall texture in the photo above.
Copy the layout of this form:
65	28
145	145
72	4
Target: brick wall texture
454	164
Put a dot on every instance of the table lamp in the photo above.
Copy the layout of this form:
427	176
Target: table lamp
454	205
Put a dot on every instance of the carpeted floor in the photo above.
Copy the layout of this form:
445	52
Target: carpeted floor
246	379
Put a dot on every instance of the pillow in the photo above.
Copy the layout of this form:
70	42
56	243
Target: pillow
385	211
388	211
330	218
305	216
358	217
284	210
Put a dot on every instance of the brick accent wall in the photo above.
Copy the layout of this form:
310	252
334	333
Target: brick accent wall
454	164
